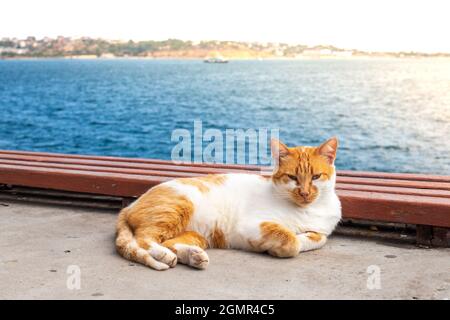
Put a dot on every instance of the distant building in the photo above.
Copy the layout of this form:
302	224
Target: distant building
324	52
343	53
317	52
279	52
107	56
13	50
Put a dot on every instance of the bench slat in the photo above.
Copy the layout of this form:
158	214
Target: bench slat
114	184
211	167
124	159
397	176
171	170
143	172
395	183
395	208
165	166
340	185
356	204
395	190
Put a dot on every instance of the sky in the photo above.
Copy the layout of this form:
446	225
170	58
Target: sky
377	25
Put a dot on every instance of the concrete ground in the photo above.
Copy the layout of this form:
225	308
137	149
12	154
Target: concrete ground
38	244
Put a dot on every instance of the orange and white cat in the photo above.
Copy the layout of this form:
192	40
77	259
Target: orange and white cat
292	211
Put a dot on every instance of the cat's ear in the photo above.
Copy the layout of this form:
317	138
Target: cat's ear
279	149
328	149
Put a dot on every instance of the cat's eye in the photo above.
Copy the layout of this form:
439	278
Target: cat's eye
316	176
292	177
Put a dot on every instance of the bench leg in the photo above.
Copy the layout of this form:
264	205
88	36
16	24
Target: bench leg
127	201
429	236
441	237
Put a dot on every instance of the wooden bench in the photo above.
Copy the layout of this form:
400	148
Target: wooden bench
416	199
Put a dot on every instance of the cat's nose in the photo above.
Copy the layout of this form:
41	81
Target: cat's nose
304	194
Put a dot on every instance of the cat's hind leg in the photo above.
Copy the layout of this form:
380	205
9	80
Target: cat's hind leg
156	250
189	248
161	213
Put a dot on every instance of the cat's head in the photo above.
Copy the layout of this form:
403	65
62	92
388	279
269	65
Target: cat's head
302	173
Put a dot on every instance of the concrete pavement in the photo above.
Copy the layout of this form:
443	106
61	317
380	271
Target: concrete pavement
38	243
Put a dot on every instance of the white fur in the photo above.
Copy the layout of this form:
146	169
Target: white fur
306	244
244	201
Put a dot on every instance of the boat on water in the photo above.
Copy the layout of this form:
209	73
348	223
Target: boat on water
215	60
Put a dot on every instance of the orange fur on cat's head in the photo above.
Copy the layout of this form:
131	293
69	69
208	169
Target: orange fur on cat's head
302	171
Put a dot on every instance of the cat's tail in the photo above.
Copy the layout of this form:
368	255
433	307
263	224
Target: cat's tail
128	247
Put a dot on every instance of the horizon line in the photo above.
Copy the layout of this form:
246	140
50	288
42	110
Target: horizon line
79	37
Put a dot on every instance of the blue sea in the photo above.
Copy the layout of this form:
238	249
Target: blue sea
390	115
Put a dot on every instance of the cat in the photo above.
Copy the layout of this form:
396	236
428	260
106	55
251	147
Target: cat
293	210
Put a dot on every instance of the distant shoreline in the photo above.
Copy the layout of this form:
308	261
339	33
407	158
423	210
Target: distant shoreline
94	48
230	59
